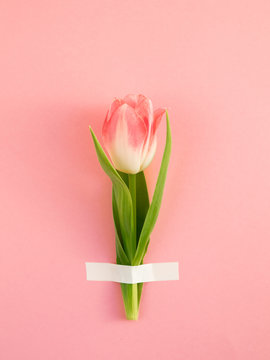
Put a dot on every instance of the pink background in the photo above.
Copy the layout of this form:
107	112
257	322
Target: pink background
61	64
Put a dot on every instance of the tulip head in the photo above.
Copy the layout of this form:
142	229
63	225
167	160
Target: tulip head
129	132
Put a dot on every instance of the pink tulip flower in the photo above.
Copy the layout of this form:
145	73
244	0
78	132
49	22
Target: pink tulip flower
129	132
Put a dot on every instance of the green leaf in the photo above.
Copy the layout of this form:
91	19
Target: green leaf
142	206
124	176
121	257
154	208
122	199
142	201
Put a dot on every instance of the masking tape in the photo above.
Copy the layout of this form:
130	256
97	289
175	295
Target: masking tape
132	274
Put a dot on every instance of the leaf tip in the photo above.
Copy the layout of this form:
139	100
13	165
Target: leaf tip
92	133
90	129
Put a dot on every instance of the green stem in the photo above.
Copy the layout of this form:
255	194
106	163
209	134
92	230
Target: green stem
130	291
132	189
130	296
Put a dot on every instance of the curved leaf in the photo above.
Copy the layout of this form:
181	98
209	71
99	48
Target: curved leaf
142	202
121	257
122	199
154	208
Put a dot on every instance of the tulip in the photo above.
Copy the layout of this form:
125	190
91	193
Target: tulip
129	132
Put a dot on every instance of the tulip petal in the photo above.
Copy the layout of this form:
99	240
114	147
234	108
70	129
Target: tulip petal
124	138
114	105
157	118
131	100
150	154
153	140
144	108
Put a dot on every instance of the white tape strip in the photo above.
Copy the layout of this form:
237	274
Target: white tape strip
132	274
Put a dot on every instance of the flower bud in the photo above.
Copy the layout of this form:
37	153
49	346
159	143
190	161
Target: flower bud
129	132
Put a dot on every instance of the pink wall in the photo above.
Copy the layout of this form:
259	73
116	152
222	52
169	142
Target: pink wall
61	63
